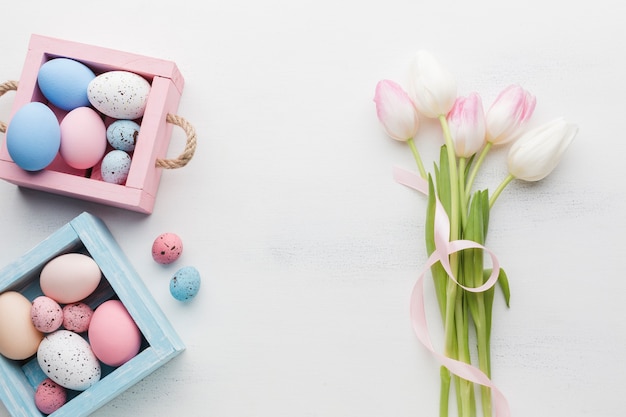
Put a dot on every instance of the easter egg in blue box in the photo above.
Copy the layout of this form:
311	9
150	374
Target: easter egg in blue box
64	82
33	136
185	283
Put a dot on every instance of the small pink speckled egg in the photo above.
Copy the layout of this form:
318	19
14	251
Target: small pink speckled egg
167	247
46	314
49	396
76	317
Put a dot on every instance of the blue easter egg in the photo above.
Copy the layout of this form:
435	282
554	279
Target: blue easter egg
64	82
185	283
115	167
33	137
122	135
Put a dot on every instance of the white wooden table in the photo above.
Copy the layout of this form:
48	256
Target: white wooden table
307	247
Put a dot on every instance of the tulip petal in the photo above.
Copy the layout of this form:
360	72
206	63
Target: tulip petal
396	111
538	151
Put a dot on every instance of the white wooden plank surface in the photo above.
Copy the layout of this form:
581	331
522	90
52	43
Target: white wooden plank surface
308	249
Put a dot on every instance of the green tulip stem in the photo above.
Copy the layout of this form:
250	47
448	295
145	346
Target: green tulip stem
500	188
417	157
463	195
454	182
475	168
456	324
484	352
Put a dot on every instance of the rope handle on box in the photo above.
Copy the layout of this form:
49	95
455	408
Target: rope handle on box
5	87
190	148
179	162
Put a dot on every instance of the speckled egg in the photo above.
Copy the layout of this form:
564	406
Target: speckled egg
49	396
46	314
167	248
67	359
185	284
115	167
119	94
122	135
76	317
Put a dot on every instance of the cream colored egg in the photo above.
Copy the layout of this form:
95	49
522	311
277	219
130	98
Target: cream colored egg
19	339
119	94
70	278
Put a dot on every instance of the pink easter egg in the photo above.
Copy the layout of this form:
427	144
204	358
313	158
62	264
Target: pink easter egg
46	314
113	334
76	317
83	138
167	248
49	396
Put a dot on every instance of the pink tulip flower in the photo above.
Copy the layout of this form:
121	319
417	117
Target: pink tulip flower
396	111
433	87
508	115
537	152
467	125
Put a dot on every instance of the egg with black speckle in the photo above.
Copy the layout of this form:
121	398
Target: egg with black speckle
122	135
115	167
76	317
49	396
67	359
166	248
185	284
119	94
46	314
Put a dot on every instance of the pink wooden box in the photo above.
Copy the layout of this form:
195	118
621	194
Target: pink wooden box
139	192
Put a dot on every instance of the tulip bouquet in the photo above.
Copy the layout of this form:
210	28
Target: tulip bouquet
457	216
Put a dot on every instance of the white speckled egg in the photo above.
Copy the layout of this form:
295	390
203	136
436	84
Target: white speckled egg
119	94
67	359
122	135
115	167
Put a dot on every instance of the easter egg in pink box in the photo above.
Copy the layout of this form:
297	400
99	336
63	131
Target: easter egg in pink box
119	94
70	278
114	337
83	138
33	137
64	82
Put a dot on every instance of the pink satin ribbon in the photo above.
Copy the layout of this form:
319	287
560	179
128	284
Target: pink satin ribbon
443	249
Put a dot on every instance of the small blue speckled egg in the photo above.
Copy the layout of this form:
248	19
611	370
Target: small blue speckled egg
185	283
122	135
115	167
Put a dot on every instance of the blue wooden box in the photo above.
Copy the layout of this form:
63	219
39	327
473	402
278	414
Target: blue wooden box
89	235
